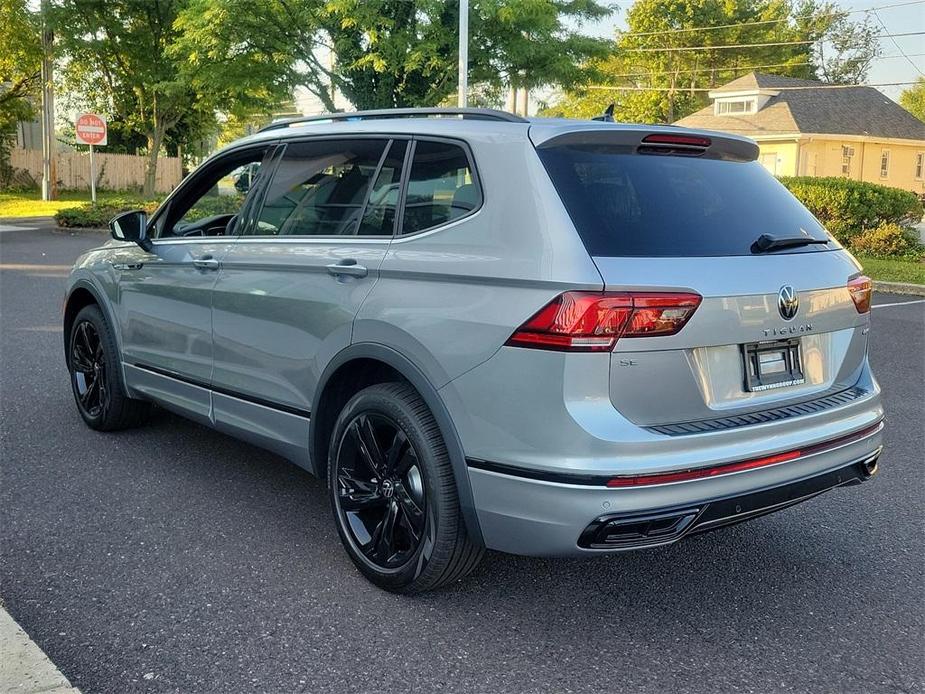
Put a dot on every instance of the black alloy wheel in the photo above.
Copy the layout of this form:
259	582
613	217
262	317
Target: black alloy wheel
380	490
88	370
394	494
96	379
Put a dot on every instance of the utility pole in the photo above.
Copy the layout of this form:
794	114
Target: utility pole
49	168
463	52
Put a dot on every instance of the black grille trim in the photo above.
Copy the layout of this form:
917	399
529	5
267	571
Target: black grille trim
778	413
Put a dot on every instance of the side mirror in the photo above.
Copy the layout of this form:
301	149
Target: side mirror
131	226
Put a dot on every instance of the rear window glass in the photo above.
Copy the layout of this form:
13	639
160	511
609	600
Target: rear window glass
440	187
655	205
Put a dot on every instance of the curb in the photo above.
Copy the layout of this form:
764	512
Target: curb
900	288
43	220
24	668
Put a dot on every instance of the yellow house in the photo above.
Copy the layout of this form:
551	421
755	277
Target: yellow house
807	128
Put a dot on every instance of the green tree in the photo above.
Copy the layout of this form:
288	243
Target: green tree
117	52
126	57
651	79
393	54
256	54
20	70
387	53
913	99
846	50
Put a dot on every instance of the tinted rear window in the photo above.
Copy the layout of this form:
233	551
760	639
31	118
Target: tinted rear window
653	205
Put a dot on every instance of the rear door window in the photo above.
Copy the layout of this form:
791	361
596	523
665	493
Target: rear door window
441	186
379	217
627	204
320	188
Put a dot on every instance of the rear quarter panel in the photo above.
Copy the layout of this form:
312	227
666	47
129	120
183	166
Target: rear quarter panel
449	298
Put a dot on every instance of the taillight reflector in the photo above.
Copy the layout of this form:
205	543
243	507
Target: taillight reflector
697	474
593	322
727	468
860	289
667	139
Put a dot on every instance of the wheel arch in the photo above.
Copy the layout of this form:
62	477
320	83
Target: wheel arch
80	295
346	367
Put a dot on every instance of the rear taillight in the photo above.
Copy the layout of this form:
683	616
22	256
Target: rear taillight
860	289
593	322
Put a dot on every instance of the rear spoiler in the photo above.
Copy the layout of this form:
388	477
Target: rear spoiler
642	140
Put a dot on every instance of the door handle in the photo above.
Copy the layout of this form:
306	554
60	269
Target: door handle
206	262
347	268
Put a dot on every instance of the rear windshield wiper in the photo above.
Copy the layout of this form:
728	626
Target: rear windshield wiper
766	242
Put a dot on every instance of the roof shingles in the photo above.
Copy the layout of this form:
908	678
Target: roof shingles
862	111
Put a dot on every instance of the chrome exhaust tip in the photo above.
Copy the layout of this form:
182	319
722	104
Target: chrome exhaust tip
870	466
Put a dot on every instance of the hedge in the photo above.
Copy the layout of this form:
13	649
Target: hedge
98	215
887	241
848	207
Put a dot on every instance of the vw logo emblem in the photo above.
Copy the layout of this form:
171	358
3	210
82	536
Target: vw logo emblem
788	303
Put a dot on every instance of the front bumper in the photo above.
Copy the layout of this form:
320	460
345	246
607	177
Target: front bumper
523	515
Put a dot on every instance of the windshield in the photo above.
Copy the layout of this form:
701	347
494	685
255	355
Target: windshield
658	205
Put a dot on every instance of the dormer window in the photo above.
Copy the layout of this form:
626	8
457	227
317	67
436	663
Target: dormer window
734	107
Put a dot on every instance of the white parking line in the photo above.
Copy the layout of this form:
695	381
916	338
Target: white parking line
899	303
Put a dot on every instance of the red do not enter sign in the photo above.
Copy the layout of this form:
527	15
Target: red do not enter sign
90	129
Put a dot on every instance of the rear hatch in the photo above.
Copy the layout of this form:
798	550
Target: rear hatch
678	212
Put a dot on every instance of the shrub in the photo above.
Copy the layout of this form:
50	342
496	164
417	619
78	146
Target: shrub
98	215
847	207
212	205
886	240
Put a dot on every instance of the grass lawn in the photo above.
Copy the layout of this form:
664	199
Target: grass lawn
30	204
890	270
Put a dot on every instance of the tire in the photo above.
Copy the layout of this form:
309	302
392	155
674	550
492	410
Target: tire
386	460
96	377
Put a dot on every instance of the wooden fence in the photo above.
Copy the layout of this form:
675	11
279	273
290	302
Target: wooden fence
114	171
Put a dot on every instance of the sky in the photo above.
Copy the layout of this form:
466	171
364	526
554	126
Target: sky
896	19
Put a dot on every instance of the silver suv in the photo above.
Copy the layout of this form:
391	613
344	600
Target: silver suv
543	337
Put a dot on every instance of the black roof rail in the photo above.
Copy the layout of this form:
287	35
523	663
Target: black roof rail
464	113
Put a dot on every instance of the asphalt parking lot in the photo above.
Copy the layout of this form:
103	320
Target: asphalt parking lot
173	558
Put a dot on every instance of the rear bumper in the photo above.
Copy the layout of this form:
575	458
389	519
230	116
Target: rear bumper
523	515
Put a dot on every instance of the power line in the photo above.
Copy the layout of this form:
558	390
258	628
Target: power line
776	89
760	22
749	45
898	47
740	68
730	68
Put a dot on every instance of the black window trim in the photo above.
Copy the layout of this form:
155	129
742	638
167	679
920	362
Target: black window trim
162	212
389	139
476	180
254	206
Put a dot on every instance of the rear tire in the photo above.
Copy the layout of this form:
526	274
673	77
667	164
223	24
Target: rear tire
393	493
96	375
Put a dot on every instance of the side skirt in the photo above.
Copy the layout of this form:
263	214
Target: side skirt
283	431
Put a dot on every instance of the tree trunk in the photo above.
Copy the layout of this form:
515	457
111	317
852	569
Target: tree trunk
155	139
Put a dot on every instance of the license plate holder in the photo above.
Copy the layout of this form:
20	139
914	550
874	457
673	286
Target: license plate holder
772	364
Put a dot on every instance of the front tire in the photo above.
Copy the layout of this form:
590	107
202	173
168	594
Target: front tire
394	495
96	379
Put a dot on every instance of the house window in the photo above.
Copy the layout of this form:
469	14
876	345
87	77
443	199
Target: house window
846	154
729	108
919	165
884	163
